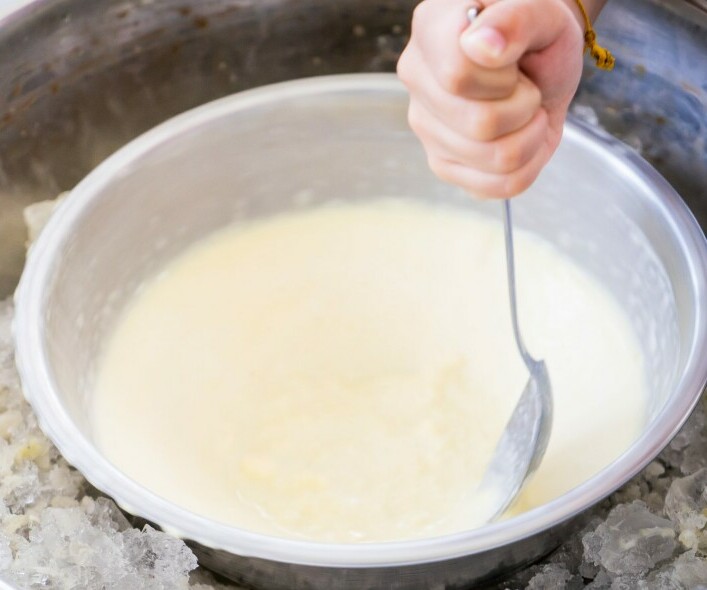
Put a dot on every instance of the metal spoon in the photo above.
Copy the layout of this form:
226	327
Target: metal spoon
523	443
524	440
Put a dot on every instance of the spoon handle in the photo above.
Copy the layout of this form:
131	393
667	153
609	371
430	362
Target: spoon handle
510	269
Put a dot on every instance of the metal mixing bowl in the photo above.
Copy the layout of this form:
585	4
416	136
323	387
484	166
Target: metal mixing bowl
299	144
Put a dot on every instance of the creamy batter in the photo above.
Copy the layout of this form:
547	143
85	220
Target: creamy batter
343	373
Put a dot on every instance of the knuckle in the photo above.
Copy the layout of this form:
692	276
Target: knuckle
499	189
404	67
537	96
441	168
509	78
415	119
509	156
521	18
534	96
517	20
519	182
484	123
449	77
491	190
419	16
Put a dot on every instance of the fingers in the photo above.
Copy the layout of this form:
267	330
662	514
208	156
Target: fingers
488	99
508	29
436	29
490	185
506	155
478	120
456	75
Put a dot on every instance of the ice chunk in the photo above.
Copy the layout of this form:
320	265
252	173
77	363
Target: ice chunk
585	113
554	577
688	571
10	421
601	581
9	380
93	546
687	452
650	487
105	514
570	552
159	556
653	471
686	505
37	214
631	541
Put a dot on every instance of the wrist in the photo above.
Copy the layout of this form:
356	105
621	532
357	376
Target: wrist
593	8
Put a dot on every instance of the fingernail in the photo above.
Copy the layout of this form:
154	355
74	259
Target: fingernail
485	39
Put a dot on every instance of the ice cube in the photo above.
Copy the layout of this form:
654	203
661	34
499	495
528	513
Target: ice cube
687	452
688	571
585	113
93	546
104	513
631	541
37	215
628	582
160	556
601	581
554	577
686	505
569	554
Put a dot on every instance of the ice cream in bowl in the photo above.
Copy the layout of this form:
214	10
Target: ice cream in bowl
266	327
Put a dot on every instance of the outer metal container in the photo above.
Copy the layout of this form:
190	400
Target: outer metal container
78	78
298	144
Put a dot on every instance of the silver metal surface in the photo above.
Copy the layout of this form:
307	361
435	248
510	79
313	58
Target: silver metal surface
79	78
621	221
473	12
524	441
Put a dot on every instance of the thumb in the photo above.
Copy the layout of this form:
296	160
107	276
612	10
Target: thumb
507	29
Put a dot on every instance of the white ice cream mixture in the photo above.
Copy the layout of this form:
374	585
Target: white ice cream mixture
343	373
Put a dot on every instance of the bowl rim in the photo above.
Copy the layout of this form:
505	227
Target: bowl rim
43	394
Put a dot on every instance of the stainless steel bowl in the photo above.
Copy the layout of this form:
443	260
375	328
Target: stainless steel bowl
308	142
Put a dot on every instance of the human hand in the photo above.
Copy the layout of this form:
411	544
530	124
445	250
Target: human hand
489	100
